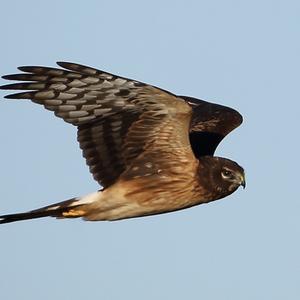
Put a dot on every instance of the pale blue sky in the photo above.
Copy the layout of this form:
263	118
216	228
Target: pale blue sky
244	54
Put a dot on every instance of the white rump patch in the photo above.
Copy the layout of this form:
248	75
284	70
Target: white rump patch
87	199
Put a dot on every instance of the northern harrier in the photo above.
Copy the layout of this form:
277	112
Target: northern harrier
150	150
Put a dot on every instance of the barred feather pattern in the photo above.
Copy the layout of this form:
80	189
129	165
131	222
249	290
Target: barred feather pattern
79	94
102	144
117	118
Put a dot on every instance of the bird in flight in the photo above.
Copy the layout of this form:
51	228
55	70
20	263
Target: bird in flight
151	151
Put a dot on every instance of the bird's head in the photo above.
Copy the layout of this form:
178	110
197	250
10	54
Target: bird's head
221	176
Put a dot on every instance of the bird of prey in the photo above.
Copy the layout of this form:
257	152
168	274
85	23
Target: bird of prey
151	151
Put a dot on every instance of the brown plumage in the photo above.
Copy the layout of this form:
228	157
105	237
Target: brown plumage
150	150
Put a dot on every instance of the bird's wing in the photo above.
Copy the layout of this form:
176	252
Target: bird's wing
210	124
150	139
77	93
122	123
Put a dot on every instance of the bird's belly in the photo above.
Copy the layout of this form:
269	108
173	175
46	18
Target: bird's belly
138	198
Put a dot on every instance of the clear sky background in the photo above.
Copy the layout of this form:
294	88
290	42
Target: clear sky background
243	54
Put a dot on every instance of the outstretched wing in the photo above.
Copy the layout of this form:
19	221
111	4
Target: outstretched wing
210	124
78	94
122	123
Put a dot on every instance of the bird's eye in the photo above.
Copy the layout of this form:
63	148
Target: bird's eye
226	174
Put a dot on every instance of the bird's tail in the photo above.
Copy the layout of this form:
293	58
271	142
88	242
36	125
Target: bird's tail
72	208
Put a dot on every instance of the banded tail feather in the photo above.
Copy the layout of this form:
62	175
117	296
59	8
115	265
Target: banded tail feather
72	208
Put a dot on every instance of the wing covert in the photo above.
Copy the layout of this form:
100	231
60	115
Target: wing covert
124	126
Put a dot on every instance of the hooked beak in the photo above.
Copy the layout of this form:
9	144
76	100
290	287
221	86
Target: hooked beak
243	181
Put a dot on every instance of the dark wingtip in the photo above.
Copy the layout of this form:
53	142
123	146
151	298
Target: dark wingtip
62	63
241	118
11	96
67	65
7	77
24	95
13	86
77	67
25	69
237	118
